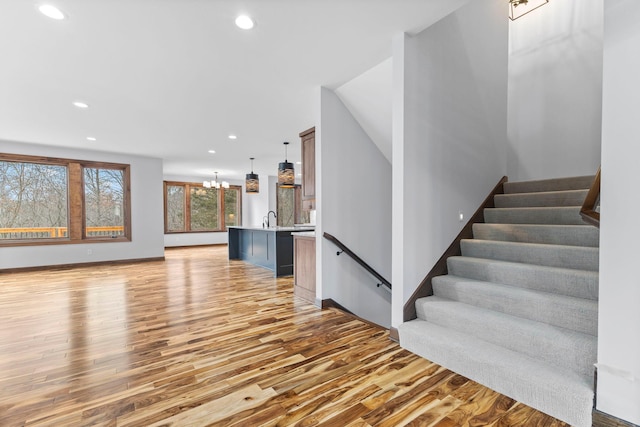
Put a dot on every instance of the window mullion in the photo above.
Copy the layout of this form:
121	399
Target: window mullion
187	207
76	202
221	210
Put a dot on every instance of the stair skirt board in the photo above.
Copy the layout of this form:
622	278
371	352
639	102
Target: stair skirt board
560	393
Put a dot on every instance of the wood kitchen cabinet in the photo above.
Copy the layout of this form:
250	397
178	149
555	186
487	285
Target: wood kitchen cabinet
304	266
308	147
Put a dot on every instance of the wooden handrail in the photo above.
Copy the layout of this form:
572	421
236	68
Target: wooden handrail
356	258
590	210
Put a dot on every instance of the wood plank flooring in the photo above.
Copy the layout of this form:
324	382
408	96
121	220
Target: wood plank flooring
198	340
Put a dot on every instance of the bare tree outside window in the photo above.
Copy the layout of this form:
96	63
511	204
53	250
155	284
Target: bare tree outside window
232	206
104	201
204	209
190	207
46	200
33	200
175	208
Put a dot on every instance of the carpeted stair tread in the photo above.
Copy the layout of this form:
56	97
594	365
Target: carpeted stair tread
564	215
518	309
570	235
577	314
560	393
563	281
551	344
578	257
540	199
555	184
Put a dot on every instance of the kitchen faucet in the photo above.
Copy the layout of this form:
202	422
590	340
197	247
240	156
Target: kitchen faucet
269	216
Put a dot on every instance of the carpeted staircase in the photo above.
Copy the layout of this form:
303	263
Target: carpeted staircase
518	311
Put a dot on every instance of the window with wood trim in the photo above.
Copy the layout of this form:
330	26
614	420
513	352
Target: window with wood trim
190	207
104	191
47	200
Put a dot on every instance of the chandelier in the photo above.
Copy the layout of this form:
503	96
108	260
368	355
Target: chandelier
519	8
215	183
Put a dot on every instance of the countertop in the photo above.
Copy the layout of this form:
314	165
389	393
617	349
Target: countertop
294	229
304	234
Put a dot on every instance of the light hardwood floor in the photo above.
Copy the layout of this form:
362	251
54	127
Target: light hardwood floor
197	340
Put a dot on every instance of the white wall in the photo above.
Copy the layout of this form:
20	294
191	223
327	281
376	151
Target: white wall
256	206
555	81
449	136
619	314
353	190
146	214
369	99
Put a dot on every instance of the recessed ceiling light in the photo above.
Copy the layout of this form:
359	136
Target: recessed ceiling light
51	11
233	136
81	104
244	22
212	151
298	163
91	138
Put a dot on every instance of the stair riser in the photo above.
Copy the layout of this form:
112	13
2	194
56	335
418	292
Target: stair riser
558	184
548	199
576	314
572	235
548	255
561	394
557	346
558	216
569	282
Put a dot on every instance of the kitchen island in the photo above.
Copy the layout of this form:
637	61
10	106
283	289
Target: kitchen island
270	248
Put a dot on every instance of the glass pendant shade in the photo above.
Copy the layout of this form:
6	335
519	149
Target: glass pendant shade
286	172
252	182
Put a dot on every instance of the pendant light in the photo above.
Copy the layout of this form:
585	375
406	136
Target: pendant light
286	174
252	182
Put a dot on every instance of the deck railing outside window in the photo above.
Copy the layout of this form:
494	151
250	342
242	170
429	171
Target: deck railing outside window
56	232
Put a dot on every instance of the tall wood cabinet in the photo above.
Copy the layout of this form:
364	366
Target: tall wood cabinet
308	147
304	266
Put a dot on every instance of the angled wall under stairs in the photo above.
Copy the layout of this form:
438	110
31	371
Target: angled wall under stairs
518	310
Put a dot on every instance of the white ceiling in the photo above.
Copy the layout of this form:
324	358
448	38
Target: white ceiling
173	78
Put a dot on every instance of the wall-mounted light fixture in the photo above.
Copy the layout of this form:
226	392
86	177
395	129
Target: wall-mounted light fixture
215	183
286	173
252	182
519	8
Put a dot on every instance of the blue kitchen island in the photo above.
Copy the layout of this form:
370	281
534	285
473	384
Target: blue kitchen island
270	248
